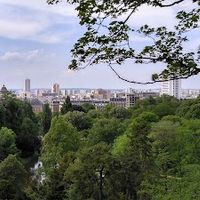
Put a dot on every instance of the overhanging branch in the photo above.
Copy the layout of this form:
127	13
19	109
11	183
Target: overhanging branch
150	82
168	5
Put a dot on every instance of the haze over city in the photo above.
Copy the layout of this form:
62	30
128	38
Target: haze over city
36	39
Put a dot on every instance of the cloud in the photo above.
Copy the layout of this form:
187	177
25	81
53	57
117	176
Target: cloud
16	29
153	16
41	5
36	21
22	56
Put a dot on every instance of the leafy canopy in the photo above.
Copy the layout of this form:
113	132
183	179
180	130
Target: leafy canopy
108	34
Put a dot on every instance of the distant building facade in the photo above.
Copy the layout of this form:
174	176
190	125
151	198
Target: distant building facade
37	105
27	85
131	99
172	88
4	90
118	101
56	88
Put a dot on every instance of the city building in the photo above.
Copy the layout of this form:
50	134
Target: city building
55	106
3	91
131	99
118	101
56	88
172	88
190	93
37	105
27	85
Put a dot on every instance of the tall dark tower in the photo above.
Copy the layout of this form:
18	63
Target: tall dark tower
27	85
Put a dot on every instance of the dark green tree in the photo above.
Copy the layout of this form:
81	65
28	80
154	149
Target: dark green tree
79	120
12	179
7	143
2	116
87	107
46	118
67	106
28	139
119	113
90	174
19	117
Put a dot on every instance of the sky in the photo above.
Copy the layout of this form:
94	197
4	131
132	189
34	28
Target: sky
36	38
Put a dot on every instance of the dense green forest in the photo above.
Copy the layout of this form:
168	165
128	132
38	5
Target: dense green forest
150	151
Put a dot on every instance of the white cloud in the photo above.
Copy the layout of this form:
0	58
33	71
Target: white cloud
41	5
16	29
35	21
22	56
153	16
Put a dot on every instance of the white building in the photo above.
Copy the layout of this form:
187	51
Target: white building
172	88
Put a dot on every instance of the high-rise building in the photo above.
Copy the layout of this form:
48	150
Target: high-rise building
55	88
172	88
27	85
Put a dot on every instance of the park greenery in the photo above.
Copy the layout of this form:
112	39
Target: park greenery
148	152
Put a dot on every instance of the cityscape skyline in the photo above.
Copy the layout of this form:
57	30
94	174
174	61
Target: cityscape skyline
28	83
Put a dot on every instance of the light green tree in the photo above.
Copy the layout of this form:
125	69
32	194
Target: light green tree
61	138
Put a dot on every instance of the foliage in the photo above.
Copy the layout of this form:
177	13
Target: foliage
190	109
28	140
12	179
109	30
110	154
105	130
61	138
46	118
67	106
89	173
161	106
119	113
19	117
7	143
79	120
87	107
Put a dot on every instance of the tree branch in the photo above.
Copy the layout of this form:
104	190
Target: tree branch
168	5
150	82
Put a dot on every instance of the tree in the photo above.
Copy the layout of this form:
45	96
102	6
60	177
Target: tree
79	120
175	144
87	107
28	141
46	118
119	112
161	106
108	37
61	138
19	117
190	109
67	106
133	151
7	143
90	174
2	116
105	130
12	178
